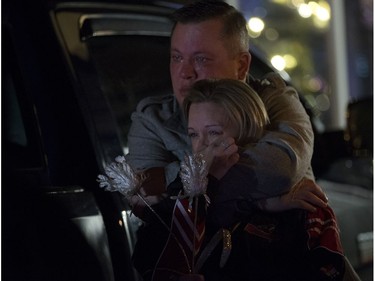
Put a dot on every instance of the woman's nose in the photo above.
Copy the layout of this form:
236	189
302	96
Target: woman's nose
200	145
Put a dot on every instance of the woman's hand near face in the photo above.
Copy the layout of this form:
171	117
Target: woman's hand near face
212	135
220	156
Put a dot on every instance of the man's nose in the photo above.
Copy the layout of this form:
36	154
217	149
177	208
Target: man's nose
187	70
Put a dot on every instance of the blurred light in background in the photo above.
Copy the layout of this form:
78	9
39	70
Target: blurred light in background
256	26
278	62
282	62
313	41
271	34
290	61
304	11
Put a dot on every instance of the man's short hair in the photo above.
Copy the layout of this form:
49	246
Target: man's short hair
234	23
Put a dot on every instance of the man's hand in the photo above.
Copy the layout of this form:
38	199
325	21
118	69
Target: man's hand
304	195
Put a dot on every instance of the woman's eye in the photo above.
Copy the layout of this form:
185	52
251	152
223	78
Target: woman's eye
215	133
192	135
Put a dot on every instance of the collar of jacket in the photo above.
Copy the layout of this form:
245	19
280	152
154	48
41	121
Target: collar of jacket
177	121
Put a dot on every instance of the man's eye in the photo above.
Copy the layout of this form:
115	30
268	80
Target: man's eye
176	58
201	60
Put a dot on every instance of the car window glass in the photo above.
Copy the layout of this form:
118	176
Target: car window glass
130	68
117	60
14	127
21	142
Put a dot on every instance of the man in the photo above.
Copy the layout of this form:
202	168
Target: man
210	40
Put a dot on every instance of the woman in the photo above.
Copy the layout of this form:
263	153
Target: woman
242	241
228	115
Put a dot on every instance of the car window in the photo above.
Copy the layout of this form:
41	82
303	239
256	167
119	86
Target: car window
130	68
21	138
116	59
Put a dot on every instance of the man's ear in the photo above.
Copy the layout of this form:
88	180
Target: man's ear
244	65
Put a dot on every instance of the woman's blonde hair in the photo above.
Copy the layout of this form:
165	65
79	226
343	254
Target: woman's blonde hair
242	104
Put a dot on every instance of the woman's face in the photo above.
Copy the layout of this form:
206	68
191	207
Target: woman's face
208	122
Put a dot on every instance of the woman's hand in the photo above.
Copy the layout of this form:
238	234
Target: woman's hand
220	156
304	195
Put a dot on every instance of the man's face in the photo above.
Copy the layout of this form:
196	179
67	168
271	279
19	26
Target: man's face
198	52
